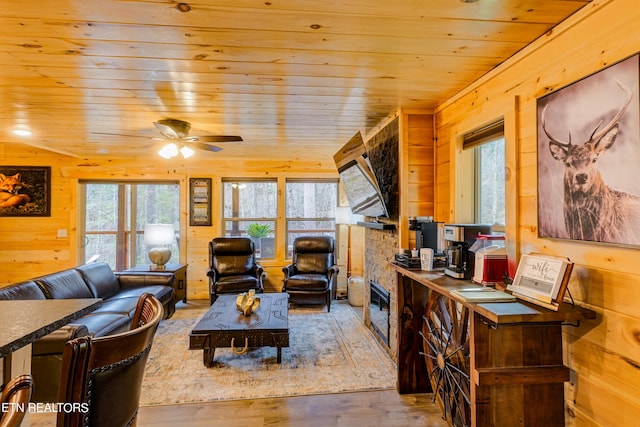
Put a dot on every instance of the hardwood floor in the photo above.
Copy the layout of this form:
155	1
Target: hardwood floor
372	408
369	408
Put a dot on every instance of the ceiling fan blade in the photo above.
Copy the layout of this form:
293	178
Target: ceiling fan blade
218	138
166	130
202	146
122	134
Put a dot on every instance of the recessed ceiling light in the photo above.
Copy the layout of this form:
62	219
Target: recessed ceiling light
21	132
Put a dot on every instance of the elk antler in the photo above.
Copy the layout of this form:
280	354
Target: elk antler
596	136
563	144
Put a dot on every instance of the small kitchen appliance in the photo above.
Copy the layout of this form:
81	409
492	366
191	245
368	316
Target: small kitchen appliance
458	239
429	234
490	263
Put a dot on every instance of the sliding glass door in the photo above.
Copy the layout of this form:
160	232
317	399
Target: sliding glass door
114	214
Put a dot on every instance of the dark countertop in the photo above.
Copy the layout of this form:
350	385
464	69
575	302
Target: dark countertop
24	321
519	311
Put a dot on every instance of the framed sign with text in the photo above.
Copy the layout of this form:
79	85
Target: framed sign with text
199	201
542	279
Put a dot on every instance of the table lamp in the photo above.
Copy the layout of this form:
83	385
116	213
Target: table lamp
160	237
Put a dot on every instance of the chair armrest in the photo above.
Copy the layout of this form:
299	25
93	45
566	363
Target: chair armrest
133	279
289	271
260	274
258	270
332	273
54	342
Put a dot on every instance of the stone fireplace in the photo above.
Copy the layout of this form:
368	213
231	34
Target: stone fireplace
380	248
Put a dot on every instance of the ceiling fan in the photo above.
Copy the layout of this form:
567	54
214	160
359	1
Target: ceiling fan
176	133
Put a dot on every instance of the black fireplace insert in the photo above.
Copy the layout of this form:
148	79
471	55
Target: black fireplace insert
379	310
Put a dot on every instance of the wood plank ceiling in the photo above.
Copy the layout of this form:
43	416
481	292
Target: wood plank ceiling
294	78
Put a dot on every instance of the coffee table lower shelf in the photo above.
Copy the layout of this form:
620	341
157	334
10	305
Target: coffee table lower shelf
224	326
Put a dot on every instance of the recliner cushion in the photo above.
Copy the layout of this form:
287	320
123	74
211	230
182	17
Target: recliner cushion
237	283
308	282
313	263
100	279
313	254
65	284
232	246
232	255
233	264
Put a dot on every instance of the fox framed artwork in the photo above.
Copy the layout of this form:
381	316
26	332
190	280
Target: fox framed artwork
588	152
25	191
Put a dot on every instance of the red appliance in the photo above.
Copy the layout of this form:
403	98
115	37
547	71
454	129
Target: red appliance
490	259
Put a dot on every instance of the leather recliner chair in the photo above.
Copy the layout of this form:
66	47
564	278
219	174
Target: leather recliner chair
233	268
311	278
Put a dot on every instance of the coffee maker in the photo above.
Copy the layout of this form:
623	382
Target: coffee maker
429	234
458	239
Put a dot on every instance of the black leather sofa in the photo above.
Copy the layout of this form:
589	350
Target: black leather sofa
119	292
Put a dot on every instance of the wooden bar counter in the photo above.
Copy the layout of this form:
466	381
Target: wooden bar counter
512	352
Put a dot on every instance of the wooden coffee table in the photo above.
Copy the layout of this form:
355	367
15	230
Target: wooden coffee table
224	326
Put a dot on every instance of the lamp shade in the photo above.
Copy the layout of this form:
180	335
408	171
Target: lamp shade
345	216
159	234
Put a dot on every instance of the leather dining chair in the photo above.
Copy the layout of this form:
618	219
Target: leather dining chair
311	277
103	376
233	268
15	399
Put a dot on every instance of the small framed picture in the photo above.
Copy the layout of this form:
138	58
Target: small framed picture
25	191
199	201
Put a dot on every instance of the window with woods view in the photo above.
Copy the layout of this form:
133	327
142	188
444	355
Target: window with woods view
481	173
311	209
486	146
114	217
250	210
490	184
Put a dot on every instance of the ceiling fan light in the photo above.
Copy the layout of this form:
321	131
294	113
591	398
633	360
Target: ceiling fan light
186	152
21	132
168	151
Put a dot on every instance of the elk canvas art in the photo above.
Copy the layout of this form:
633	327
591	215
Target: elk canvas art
589	158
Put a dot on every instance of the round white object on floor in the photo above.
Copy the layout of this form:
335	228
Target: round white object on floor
355	289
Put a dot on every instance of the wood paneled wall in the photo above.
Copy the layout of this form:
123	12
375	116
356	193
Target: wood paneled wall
416	171
30	246
604	354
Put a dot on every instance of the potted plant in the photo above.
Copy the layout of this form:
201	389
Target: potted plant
258	233
258	230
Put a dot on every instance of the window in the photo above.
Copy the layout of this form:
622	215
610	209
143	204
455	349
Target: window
488	147
250	209
114	217
311	209
490	183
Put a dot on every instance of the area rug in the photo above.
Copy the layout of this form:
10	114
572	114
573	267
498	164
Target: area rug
328	353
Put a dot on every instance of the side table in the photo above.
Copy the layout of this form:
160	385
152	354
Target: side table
178	270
